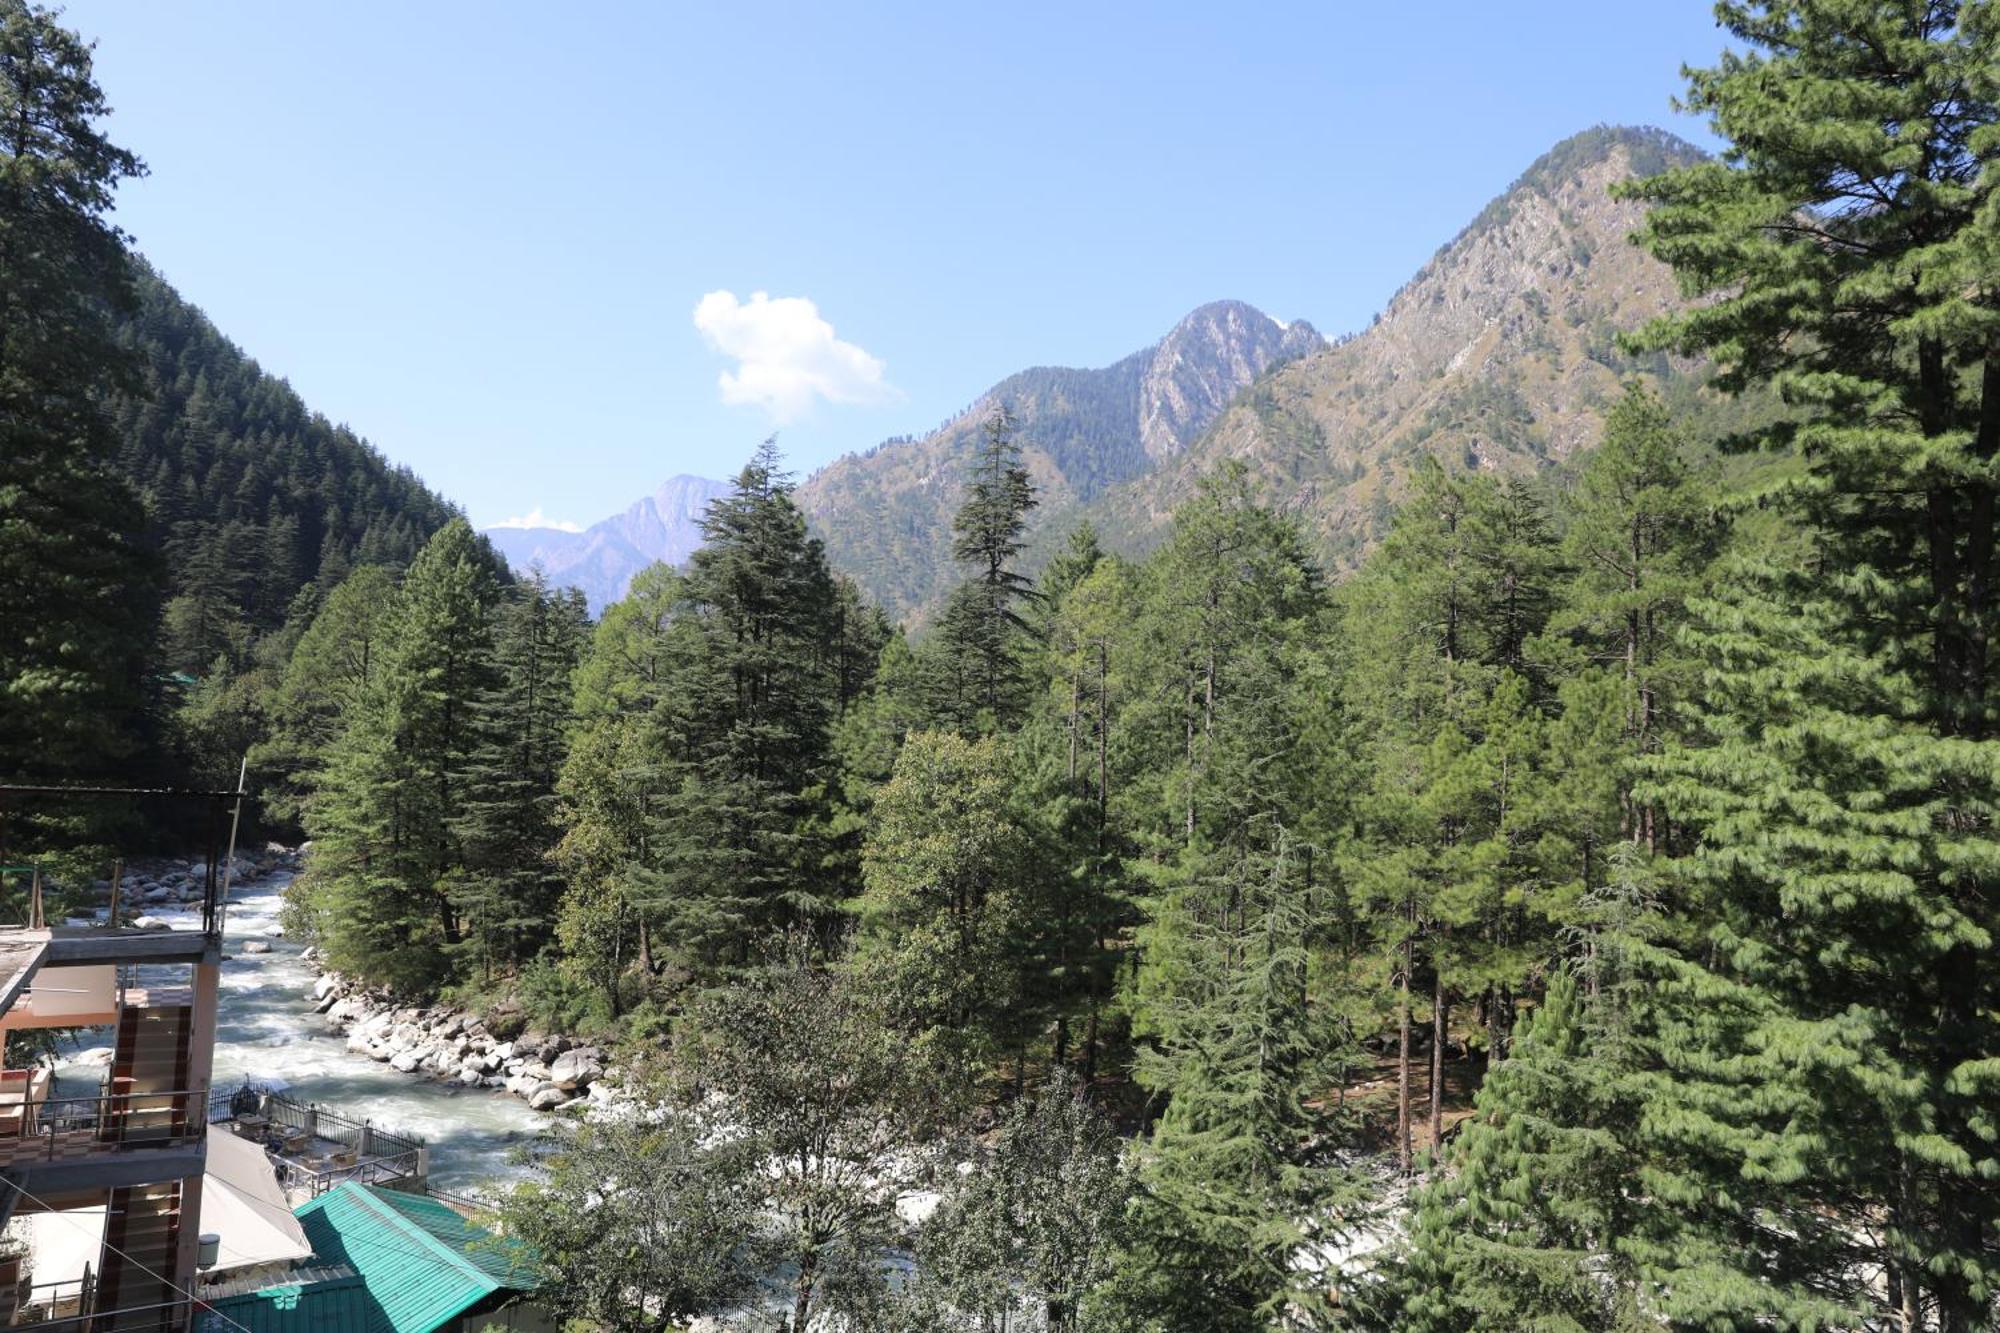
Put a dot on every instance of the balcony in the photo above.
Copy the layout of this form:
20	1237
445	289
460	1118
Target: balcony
35	1129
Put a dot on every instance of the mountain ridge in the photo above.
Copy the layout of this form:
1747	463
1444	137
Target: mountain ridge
602	558
1499	354
885	514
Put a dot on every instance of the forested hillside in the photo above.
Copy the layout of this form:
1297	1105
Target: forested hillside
250	496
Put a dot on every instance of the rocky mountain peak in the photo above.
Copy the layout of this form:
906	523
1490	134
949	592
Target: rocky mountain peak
886	514
1203	362
1500	353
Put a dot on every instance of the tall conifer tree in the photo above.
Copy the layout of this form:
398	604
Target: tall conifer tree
976	676
1832	1050
75	589
742	728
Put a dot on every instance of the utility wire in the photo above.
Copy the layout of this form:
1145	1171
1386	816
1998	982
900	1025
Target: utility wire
149	1272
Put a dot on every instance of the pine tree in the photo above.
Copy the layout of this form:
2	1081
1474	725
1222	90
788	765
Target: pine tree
742	726
1832	1048
1525	1233
609	786
507	822
1239	1179
76	594
977	673
940	911
329	667
1417	679
1639	540
386	810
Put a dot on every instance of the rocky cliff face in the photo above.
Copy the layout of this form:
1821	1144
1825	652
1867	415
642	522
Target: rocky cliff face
886	514
1199	367
1499	354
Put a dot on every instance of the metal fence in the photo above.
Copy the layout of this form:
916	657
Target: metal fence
73	1126
296	1133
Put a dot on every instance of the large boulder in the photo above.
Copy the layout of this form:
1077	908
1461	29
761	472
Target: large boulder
575	1069
406	1062
256	946
548	1097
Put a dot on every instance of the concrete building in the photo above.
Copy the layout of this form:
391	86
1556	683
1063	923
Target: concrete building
122	1161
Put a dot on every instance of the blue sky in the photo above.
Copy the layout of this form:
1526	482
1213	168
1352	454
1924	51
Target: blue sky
518	246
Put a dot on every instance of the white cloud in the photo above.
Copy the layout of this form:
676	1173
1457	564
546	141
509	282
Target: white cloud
787	357
534	518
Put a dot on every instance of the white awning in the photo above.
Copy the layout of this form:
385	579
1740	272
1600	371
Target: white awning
241	1202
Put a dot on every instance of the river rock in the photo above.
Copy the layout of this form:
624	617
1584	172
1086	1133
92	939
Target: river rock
575	1069
405	1062
147	923
548	1097
256	946
522	1085
96	1055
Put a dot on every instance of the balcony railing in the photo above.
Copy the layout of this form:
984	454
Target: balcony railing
159	1317
117	1121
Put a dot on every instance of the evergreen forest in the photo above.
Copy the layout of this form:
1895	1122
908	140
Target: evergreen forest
1578	917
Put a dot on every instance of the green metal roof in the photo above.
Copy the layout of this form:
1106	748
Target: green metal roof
421	1263
338	1305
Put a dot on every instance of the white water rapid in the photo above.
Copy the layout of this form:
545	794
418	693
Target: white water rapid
267	1033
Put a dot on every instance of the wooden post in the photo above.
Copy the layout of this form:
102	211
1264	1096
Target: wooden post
117	888
35	901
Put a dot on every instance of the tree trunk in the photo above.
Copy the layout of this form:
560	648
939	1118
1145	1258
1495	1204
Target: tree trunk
1440	1026
1496	1027
1403	1063
802	1290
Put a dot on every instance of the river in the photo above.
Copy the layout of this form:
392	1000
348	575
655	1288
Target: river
267	1033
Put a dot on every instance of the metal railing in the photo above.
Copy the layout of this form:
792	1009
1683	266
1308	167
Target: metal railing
73	1301
282	1112
161	1316
286	1128
120	1119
